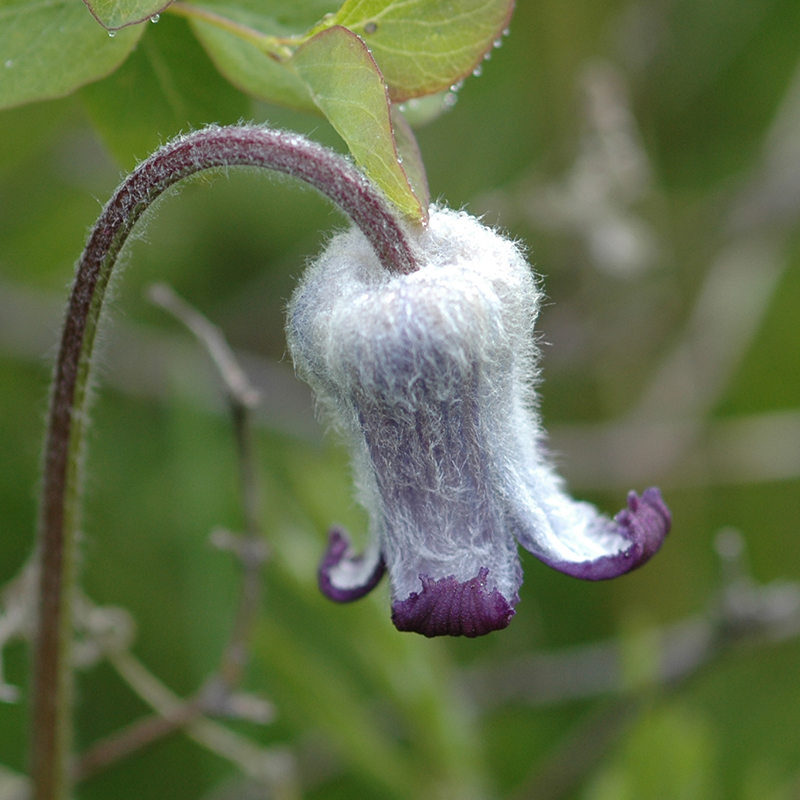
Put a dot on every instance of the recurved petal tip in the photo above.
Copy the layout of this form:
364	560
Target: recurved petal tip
645	522
344	577
448	607
643	526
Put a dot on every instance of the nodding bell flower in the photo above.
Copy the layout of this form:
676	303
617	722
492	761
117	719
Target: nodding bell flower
430	378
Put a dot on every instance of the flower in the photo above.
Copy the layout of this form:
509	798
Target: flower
430	378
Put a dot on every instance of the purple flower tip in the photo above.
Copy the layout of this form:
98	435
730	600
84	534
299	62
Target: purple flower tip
642	526
645	522
447	607
344	577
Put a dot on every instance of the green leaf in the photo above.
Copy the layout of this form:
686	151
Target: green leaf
49	49
282	17
424	46
410	157
348	87
115	14
246	65
233	35
168	85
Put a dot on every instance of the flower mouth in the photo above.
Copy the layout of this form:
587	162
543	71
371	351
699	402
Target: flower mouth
448	607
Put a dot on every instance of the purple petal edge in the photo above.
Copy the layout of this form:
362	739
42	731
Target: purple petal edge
447	607
338	545
645	523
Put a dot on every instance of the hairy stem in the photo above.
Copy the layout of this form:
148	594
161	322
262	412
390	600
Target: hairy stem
59	514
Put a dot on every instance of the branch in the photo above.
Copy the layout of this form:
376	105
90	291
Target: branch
741	612
217	696
250	549
272	766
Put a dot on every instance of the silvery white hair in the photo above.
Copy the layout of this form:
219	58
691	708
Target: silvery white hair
430	377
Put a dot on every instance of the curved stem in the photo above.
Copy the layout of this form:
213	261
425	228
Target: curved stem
59	515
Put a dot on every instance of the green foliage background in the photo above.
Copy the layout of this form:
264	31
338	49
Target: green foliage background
371	712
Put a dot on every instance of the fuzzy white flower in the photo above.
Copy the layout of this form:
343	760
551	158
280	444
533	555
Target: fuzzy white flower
430	378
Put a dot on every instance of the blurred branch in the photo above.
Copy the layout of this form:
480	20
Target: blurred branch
17	620
143	362
736	293
126	742
680	452
587	745
598	199
727	313
742	612
273	766
250	548
97	630
239	391
609	455
666	438
108	632
626	669
218	694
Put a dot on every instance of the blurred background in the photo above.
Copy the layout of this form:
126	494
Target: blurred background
648	154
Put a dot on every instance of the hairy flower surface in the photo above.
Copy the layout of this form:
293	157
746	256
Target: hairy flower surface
430	378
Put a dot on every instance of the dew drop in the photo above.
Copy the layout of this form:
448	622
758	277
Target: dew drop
497	44
112	34
370	27
450	99
456	86
155	18
9	63
488	55
506	31
478	71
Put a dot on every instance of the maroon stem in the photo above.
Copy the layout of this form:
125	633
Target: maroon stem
211	148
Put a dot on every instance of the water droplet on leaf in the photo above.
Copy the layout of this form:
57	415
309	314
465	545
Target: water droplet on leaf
155	18
370	27
478	71
450	99
9	63
112	34
498	43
